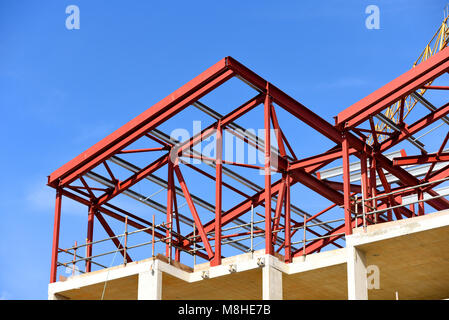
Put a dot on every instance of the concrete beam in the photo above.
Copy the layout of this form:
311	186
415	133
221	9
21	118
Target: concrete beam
55	296
356	270
271	280
150	284
396	229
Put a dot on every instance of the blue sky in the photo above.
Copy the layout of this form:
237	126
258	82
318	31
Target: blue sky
63	90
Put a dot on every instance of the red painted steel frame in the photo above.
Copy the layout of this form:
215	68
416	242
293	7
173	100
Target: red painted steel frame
267	197
55	248
428	158
218	194
348	138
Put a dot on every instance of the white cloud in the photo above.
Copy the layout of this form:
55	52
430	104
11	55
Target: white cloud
41	198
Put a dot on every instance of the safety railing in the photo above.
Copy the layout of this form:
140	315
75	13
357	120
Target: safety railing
124	248
250	232
370	213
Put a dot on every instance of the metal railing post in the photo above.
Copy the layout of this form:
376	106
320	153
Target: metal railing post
252	231
304	243
74	258
171	236
194	245
152	239
125	241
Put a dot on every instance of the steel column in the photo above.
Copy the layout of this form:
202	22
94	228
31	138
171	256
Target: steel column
169	220
56	226
90	235
218	194
420	204
267	196
346	186
288	246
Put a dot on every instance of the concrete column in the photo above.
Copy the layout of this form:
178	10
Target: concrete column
271	283
357	281
150	284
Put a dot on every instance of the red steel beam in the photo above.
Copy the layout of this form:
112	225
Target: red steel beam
428	158
178	228
218	194
199	225
438	175
170	194
108	169
420	204
267	191
316	160
346	186
319	186
277	131
408	131
89	238
364	180
132	180
278	210
56	227
285	101
111	234
243	109
440	151
139	126
436	87
143	150
86	186
339	186
402	86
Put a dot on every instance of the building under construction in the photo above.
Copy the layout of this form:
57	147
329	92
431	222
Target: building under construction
180	223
